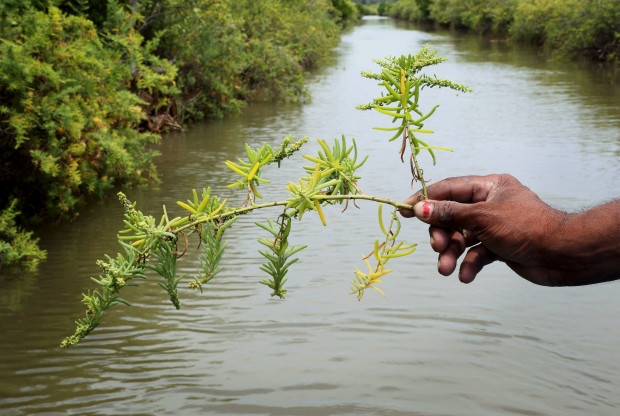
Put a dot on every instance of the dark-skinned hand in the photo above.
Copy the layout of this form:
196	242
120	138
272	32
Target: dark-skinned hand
495	217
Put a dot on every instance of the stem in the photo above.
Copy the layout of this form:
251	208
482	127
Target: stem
385	243
318	197
410	137
418	171
234	212
391	202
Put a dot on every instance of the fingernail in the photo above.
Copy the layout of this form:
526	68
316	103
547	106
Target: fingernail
423	209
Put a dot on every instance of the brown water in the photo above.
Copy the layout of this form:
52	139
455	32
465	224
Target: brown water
432	346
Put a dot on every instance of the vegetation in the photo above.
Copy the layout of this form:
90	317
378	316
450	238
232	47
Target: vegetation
570	27
86	86
367	7
17	247
372	2
565	28
147	243
383	9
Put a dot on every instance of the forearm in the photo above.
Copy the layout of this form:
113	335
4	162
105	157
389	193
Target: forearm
586	247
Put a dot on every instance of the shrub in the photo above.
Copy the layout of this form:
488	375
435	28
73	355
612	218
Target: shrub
69	122
344	11
570	27
406	10
228	52
383	9
17	247
482	16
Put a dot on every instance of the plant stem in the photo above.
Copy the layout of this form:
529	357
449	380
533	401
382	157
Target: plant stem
410	138
318	197
391	202
418	173
385	243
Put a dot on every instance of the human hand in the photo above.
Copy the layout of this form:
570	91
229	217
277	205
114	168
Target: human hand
501	219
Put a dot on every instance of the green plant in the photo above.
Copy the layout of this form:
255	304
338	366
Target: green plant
399	76
68	124
569	28
405	10
482	16
228	52
345	11
331	179
17	247
383	9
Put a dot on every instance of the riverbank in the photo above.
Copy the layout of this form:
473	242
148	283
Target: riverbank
563	29
88	86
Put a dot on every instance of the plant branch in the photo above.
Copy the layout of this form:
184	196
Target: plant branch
318	197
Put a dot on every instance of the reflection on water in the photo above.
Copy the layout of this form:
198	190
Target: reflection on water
432	346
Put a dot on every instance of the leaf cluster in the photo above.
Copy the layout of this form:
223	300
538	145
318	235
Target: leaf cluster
213	247
402	82
165	264
382	252
341	163
154	245
250	169
117	273
211	217
278	253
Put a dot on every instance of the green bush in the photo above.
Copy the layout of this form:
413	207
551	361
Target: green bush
69	121
17	247
285	40
567	28
424	7
230	52
206	42
344	11
570	27
383	9
482	16
406	10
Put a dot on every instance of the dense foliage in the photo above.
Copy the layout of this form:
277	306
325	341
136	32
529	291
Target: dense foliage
571	27
244	49
17	247
566	28
372	7
86	85
69	119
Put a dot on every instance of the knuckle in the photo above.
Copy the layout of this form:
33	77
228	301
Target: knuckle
444	213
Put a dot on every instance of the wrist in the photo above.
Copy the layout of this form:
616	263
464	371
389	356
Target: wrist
585	247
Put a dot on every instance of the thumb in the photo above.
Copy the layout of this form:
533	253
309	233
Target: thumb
446	214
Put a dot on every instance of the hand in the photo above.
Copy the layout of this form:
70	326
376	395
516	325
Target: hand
501	219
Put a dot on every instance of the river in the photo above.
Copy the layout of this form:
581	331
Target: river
431	346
